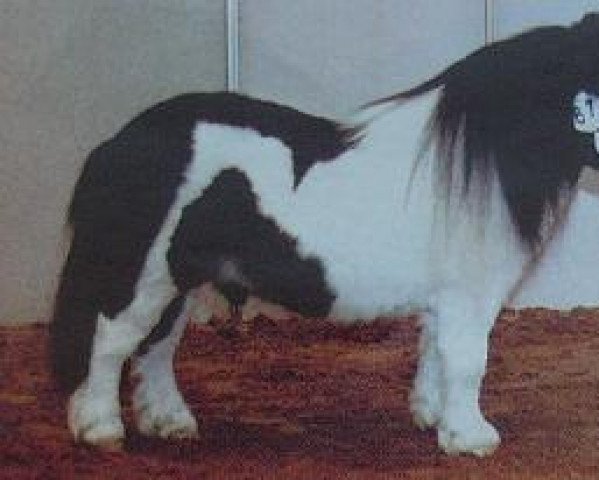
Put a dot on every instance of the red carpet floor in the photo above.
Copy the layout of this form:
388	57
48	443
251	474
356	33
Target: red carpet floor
313	400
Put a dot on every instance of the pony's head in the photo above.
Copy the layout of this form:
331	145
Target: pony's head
522	110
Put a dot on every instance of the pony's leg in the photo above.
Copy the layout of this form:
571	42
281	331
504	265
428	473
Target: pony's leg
464	323
425	399
94	410
159	406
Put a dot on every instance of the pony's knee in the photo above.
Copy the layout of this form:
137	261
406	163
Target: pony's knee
116	337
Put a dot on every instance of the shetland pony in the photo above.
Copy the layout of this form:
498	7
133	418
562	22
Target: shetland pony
437	203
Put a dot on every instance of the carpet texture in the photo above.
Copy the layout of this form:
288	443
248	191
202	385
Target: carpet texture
317	400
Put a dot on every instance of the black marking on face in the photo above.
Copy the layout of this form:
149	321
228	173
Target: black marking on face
225	225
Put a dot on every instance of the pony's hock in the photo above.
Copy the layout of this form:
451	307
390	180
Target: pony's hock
436	204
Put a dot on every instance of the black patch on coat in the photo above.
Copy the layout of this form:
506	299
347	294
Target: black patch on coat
311	139
512	102
123	195
164	327
224	226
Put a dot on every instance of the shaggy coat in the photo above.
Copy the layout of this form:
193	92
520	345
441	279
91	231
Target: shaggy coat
436	201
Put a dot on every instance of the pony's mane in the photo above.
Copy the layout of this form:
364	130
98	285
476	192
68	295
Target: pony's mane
506	110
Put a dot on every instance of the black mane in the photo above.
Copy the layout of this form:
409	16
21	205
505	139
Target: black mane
507	108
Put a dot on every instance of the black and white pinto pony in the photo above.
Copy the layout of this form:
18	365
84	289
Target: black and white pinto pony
437	200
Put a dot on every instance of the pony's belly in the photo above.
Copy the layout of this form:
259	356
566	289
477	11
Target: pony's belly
374	295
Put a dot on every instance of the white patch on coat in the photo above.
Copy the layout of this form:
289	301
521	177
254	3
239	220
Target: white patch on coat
383	239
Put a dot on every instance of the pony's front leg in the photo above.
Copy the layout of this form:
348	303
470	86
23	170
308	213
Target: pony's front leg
94	410
464	324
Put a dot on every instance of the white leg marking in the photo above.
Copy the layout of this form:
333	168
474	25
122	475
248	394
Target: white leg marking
425	399
94	410
159	406
463	328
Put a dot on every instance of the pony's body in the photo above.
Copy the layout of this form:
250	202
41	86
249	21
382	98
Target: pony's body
372	195
350	221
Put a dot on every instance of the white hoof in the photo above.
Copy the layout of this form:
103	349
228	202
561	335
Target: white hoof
480	440
168	417
177	424
95	421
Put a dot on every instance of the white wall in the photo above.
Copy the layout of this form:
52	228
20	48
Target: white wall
513	16
71	73
330	56
568	275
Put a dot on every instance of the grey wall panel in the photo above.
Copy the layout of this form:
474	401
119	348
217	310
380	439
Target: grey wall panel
329	56
71	73
513	16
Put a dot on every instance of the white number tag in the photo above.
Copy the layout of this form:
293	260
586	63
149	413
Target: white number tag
586	115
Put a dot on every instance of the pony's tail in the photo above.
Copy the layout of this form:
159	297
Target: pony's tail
76	305
420	89
73	324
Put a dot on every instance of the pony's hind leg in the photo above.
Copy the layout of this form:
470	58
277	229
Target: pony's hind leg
159	406
94	410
